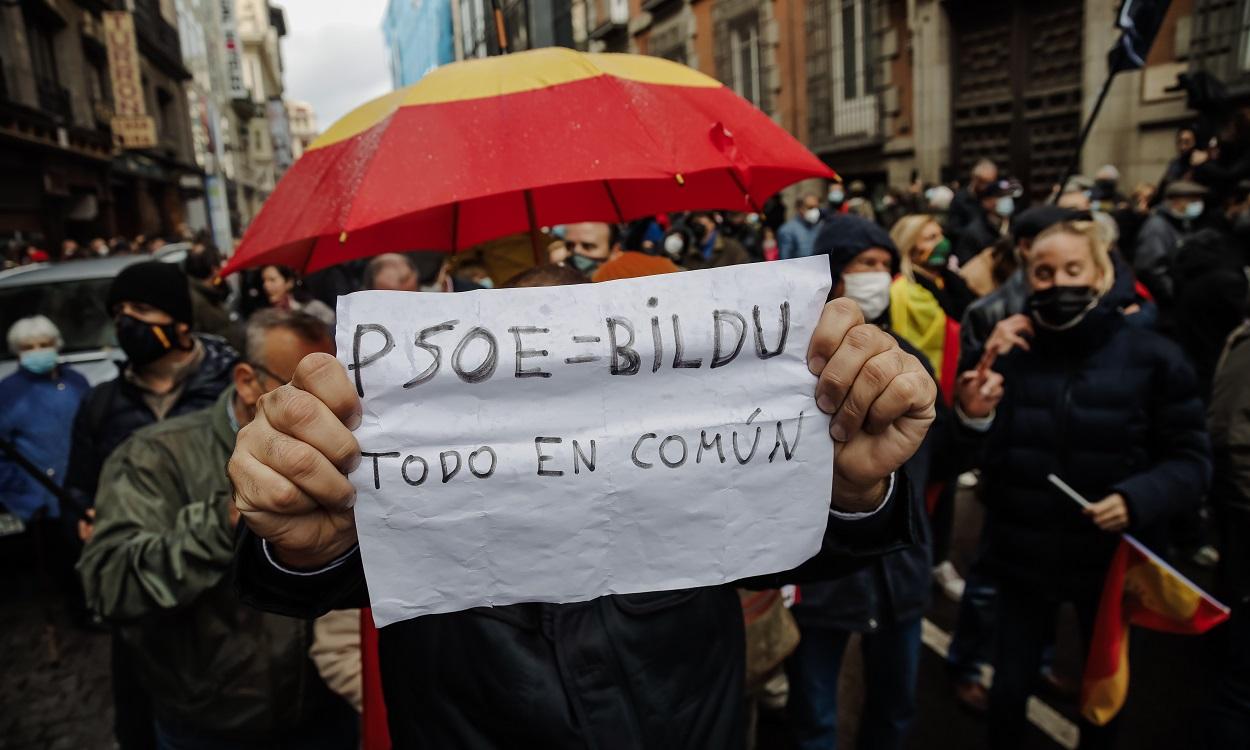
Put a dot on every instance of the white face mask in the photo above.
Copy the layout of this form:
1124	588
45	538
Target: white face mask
674	244
811	215
870	290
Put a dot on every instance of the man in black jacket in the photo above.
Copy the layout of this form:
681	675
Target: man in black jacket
648	670
965	207
996	201
168	372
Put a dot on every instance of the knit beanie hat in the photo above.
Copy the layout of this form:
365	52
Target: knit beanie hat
161	285
631	265
844	236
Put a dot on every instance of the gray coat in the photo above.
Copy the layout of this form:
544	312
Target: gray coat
1157	243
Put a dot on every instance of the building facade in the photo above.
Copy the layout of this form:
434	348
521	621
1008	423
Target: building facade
303	122
69	172
262	136
898	91
420	36
945	83
56	145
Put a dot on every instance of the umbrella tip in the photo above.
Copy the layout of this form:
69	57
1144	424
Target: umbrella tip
342	237
681	180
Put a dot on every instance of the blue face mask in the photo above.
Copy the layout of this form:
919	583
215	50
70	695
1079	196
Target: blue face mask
1194	209
1005	206
486	282
38	361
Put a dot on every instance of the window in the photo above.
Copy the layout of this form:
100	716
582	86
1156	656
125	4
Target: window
744	58
167	120
516	23
855	110
42	53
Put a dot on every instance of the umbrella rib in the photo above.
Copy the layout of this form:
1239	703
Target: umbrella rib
455	225
745	193
620	217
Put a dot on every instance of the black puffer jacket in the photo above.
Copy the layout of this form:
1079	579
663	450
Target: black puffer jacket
115	410
640	671
1108	407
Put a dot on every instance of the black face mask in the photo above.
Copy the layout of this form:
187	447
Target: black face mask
144	343
1061	307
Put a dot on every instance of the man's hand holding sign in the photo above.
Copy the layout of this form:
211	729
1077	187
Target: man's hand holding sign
487	459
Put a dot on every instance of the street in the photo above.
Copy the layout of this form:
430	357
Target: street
59	705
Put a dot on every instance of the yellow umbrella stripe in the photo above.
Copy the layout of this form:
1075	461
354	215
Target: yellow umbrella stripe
512	74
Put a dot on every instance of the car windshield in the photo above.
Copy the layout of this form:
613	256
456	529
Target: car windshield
77	308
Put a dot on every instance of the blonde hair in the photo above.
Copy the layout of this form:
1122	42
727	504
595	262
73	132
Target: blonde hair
905	234
1095	238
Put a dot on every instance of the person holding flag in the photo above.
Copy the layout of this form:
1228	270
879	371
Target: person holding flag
1069	389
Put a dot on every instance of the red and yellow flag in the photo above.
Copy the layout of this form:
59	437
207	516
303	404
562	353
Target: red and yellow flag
1143	590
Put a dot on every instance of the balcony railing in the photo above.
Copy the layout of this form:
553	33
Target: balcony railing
23	87
157	34
53	98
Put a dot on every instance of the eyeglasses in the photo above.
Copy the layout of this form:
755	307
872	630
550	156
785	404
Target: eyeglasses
265	371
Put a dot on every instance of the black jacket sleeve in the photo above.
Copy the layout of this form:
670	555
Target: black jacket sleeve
1180	473
85	462
849	545
307	595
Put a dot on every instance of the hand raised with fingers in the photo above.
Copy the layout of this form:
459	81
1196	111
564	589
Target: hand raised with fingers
290	464
882	401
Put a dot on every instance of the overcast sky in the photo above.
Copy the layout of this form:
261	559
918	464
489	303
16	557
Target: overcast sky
334	54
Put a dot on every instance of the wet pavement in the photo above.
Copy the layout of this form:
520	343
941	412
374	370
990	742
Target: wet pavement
54	677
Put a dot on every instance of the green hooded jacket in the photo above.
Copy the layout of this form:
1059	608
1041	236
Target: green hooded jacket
158	566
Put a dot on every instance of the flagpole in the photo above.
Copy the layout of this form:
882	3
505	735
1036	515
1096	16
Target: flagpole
1075	164
1066	489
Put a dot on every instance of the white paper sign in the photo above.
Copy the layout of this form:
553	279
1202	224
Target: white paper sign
558	444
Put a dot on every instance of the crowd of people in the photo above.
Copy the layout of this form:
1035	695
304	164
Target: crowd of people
22	252
1098	336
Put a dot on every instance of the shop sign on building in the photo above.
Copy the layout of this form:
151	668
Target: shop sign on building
234	50
132	126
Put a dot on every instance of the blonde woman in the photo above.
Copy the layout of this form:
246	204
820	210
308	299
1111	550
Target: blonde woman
927	300
1109	407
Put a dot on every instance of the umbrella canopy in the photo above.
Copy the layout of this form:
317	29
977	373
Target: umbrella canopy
485	148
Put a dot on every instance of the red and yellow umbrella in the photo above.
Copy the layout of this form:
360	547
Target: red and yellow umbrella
486	148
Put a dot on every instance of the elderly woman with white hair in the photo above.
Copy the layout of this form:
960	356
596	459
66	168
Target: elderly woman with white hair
40	401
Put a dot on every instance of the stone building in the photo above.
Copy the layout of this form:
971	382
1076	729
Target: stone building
892	91
152	185
64	175
303	126
263	139
56	146
898	89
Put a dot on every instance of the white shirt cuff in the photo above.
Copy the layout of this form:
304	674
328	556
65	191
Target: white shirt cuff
867	513
264	545
976	424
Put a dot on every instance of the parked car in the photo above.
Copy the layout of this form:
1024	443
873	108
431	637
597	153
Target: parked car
73	296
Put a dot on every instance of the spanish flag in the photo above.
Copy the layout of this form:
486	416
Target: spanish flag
1143	590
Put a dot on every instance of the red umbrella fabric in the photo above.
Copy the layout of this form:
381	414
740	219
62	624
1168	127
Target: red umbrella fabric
486	148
